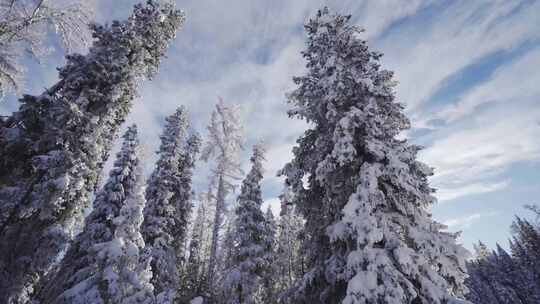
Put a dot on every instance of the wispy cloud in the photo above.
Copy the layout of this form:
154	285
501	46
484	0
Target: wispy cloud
469	153
467	221
446	194
510	84
485	149
426	52
247	52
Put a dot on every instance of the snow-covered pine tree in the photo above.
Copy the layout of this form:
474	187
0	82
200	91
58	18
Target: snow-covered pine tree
169	205
53	148
105	263
225	139
370	236
249	262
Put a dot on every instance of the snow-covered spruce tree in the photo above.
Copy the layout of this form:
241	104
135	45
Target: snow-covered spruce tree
525	248
535	209
225	139
53	149
227	251
497	277
193	264
195	269
249	263
526	245
105	263
513	277
370	236
289	258
169	205
268	289
491	271
480	289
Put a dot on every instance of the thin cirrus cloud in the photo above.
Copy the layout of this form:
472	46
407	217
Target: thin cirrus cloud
448	39
448	193
481	143
512	83
248	51
465	222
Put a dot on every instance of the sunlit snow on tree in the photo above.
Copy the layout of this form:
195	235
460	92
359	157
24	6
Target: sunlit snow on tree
369	235
53	148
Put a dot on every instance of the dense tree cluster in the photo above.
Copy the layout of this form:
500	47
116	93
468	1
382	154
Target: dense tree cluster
499	277
105	262
250	261
54	147
169	205
355	224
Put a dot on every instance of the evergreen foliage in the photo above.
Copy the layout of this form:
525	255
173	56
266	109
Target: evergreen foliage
498	277
105	263
355	225
224	143
249	263
195	270
53	148
369	235
24	29
169	205
289	255
268	292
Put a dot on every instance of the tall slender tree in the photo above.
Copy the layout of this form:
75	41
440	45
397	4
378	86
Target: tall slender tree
227	253
169	205
268	292
224	143
199	245
289	257
249	263
363	194
105	263
194	262
53	149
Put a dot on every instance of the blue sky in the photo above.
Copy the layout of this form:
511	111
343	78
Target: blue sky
469	74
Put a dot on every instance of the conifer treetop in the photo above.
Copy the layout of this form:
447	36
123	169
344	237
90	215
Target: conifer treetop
104	263
52	150
366	203
225	140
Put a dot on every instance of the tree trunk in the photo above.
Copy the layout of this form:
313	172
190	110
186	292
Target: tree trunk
218	221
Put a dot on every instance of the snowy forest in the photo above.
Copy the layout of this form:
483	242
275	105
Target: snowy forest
355	223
